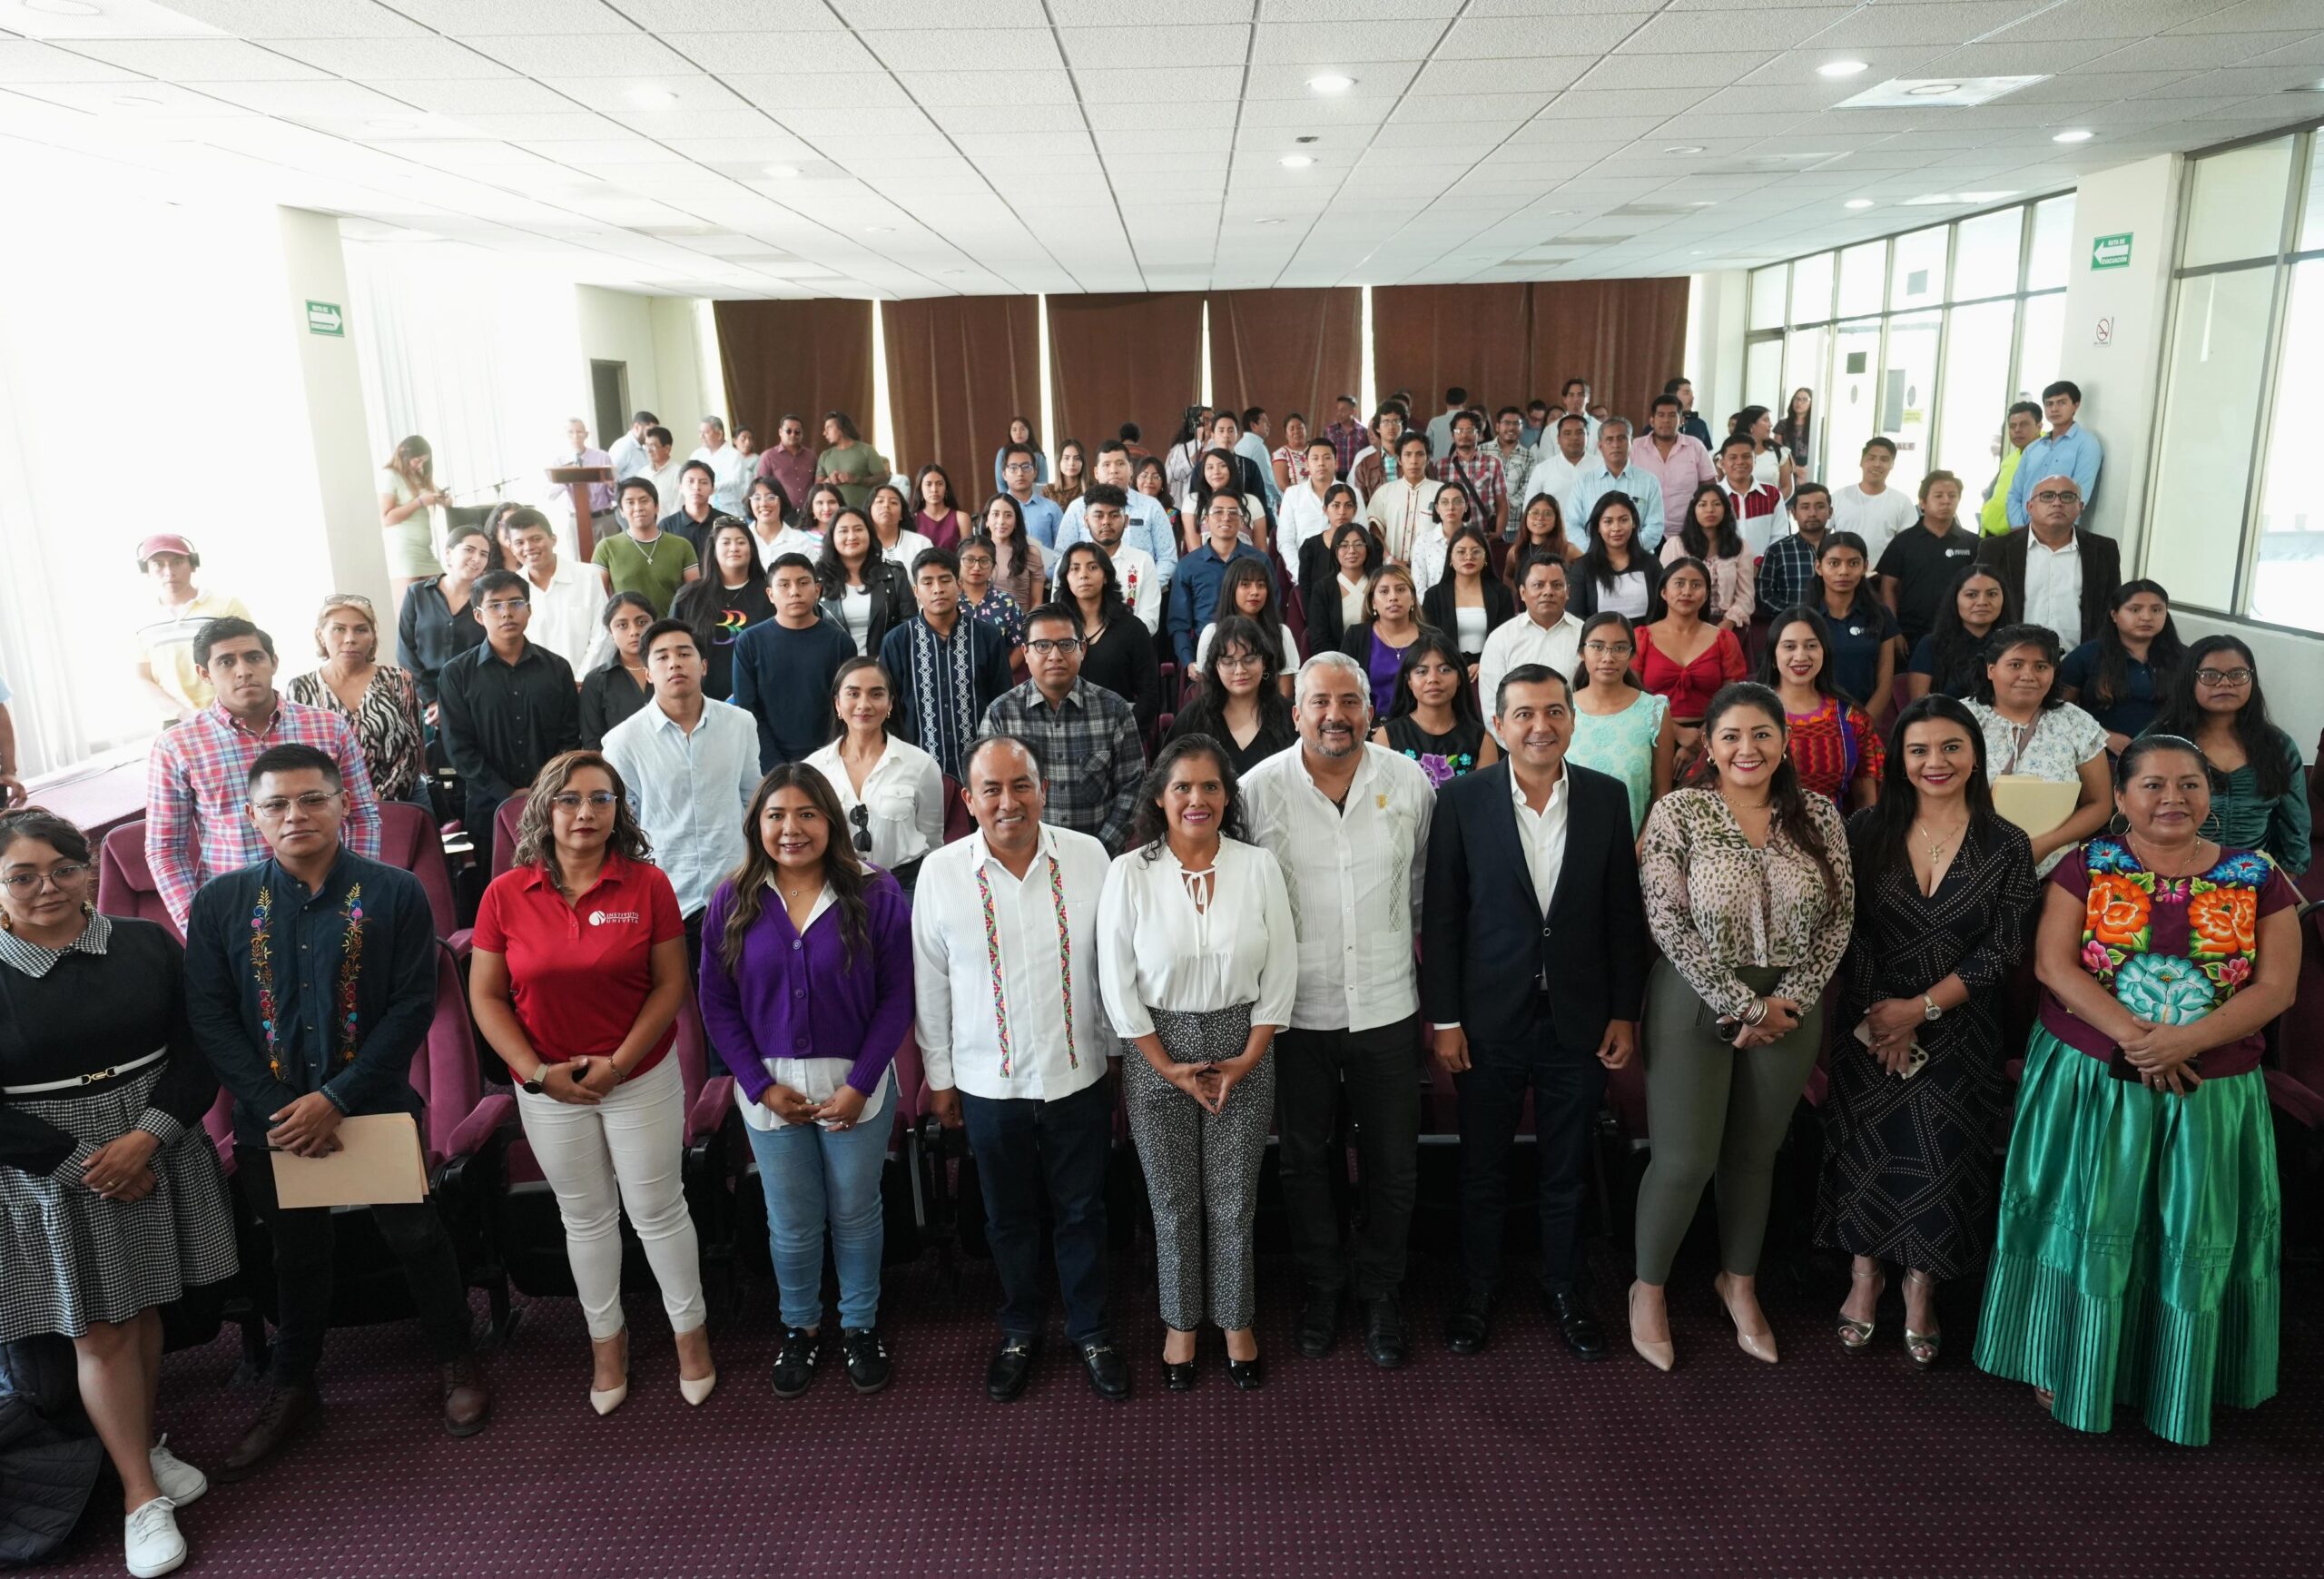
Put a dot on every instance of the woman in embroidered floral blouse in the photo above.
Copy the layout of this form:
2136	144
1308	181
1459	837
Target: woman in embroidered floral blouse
1749	892
1830	739
2149	1281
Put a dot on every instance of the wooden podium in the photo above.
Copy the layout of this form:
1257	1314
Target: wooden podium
579	479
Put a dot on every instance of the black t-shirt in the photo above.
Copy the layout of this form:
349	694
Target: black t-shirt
720	615
1857	641
1924	565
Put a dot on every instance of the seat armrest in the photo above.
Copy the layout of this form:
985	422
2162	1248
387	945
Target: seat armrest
711	1106
473	1131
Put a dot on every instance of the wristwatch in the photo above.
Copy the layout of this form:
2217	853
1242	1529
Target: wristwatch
538	1085
1930	1013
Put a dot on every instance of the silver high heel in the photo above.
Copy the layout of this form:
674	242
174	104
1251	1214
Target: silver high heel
1856	1337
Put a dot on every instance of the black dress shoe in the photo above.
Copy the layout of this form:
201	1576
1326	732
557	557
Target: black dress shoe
1011	1368
1179	1376
1466	1328
1383	1331
1319	1323
1246	1374
1570	1316
286	1413
1109	1375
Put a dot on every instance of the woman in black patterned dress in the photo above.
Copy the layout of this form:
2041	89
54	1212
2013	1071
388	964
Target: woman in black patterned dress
1945	887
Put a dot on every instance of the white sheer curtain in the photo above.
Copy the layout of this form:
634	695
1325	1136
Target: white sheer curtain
479	355
149	382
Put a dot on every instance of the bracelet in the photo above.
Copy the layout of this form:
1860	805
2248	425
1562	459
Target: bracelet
1758	1013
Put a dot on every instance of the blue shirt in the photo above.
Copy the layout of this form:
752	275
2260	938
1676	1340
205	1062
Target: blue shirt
1041	516
363	1065
1195	594
2075	453
1146	525
1644	488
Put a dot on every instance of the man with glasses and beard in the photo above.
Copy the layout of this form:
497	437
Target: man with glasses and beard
1086	736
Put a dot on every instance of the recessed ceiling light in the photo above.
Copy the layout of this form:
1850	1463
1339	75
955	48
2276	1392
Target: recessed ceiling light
1931	90
1307	139
1858	202
2073	136
63	7
1296	161
652	98
1986	196
1685	148
1331	83
1841	69
391	125
783	171
137	102
1267	221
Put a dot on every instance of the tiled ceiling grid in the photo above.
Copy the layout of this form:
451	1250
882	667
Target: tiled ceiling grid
929	147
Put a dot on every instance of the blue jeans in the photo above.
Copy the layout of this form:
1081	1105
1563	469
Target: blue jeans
813	1176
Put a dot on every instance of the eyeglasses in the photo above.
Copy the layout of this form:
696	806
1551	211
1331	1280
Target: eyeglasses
858	816
276	807
2224	677
507	604
2051	496
1060	646
1237	661
65	873
571	800
1608	648
348	600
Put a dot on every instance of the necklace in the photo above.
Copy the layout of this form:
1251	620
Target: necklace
1937	841
2152	865
647	548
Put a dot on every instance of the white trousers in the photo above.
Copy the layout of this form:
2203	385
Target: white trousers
627	1153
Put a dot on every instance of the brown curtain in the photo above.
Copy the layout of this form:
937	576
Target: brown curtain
959	367
1627	336
1126	358
800	358
1287	351
1429	337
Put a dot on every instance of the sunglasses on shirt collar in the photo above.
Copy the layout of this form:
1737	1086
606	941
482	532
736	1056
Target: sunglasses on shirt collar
858	816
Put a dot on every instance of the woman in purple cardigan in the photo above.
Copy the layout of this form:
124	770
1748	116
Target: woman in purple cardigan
807	1000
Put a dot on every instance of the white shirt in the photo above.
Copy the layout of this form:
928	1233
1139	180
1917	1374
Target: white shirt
1141	583
666	483
1399	512
1429	552
1556	476
1354	871
1875	518
565	614
1290	648
628	457
2054	587
1156	949
731	474
1520	641
909	546
689	791
903	800
1300	517
789	540
956	1018
1542	835
816	1079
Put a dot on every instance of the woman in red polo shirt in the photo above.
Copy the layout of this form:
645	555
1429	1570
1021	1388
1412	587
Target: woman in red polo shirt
580	969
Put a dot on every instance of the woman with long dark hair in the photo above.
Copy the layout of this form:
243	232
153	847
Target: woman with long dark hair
1020	431
2122	677
1683	656
1944	897
1614	571
1247	588
1620	727
1151	476
889	514
1391	623
823	502
2257	800
1240	702
1797	431
1861	632
584	1018
939	515
1218	471
1712	536
1831	741
807	993
867	593
1200	964
1749	892
729	600
2031	731
892	791
1436	721
1072	474
1018	566
1469	602
1951	658
619	686
1117	649
774	531
1335	596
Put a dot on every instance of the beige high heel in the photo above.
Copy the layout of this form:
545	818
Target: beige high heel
1661	1355
1760	1345
1856	1337
605	1400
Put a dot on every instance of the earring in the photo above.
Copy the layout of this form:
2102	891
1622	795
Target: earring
87	909
2112	831
7	924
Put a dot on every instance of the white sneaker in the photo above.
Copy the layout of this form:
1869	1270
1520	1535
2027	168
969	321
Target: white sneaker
181	1482
149	1539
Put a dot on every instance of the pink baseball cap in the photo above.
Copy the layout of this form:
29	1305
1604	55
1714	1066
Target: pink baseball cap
162	543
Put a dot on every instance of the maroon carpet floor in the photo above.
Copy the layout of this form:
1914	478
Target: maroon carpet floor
1519	1460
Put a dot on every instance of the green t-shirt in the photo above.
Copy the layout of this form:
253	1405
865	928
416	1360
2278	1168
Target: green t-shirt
859	460
658	569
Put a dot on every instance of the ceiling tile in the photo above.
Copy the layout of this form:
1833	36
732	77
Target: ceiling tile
196	60
273	19
23	60
552	18
1523	75
585	54
1137	48
956	49
988	87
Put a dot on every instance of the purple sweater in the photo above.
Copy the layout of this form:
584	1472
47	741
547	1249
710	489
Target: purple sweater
803	997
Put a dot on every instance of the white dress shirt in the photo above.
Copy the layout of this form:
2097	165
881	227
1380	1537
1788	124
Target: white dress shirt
1875	518
1556	476
816	1079
731	474
1399	512
1517	642
789	540
2054	587
1300	517
689	791
1429	552
909	546
1540	837
665	480
1157	948
957	1014
1354	871
903	800
565	615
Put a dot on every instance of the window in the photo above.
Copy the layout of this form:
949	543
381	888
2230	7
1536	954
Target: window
1868	332
2236	522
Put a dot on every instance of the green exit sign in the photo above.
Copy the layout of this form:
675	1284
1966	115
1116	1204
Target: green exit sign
327	318
2110	251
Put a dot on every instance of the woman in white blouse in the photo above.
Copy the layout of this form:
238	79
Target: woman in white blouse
1199	966
2031	731
892	791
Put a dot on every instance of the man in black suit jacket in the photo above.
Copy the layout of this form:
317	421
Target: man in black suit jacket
1523	990
2052	510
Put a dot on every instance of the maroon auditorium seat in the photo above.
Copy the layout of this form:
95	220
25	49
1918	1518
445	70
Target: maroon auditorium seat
125	884
410	838
958	824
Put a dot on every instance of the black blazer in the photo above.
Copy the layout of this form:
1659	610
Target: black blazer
892	603
1437	608
2102	573
1484	942
1581	600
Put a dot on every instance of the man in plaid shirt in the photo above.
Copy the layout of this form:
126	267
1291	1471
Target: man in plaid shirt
1347	434
1479	472
1092	760
197	823
1788	573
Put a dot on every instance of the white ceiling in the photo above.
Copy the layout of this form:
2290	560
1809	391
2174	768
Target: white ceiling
974	146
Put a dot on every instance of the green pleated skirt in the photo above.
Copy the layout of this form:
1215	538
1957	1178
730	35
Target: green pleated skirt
2136	1259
